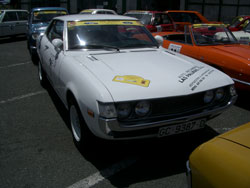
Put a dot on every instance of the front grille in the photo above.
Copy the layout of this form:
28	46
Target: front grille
174	107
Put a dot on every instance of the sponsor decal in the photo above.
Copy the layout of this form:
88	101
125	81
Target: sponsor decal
197	80
184	76
175	47
132	79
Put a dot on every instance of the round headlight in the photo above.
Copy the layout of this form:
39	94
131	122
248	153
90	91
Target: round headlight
123	110
219	93
142	108
208	97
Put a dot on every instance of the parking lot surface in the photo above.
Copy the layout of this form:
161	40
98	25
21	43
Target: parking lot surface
37	149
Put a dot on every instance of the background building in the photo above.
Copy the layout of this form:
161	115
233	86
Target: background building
215	10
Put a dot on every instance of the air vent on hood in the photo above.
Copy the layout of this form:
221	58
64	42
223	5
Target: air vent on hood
92	58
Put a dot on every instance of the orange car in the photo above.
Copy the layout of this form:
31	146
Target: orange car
215	45
187	17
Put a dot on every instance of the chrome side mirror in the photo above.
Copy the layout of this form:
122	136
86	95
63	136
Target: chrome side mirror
58	43
159	39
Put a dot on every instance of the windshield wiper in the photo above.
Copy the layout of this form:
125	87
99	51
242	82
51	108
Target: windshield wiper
94	46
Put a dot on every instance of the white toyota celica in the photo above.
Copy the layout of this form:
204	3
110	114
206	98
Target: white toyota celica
118	83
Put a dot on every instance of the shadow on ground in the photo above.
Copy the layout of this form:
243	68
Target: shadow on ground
154	158
243	100
12	39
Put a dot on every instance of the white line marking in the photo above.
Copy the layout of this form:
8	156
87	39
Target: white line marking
22	97
14	65
103	174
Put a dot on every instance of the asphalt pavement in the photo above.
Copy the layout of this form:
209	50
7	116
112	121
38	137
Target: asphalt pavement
37	149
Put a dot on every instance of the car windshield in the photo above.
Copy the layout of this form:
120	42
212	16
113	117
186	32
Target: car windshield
110	35
161	18
247	27
185	17
145	18
236	21
212	34
46	15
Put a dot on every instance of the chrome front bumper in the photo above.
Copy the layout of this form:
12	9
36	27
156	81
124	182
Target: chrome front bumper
110	126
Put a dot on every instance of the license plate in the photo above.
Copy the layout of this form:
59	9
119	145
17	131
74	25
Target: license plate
181	128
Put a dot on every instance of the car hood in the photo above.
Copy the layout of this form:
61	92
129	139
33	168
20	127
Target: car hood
236	50
40	27
145	74
239	135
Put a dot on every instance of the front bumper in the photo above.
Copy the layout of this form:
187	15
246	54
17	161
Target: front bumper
113	129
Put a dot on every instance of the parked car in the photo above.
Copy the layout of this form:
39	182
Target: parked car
155	21
239	22
243	36
213	44
117	83
13	22
187	17
97	11
38	21
222	161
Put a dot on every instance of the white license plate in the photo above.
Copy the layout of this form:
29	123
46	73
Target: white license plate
181	128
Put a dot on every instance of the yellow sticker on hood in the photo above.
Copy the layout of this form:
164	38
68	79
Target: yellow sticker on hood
131	79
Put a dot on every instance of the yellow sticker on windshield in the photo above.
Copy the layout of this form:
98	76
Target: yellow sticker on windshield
49	12
206	25
103	22
131	79
87	10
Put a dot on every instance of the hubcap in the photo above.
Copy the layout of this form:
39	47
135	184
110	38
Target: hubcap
75	123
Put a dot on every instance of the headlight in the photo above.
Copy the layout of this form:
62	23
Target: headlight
219	93
107	110
142	108
208	97
35	35
123	110
232	90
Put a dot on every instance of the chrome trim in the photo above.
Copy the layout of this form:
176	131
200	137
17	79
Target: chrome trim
114	125
240	81
188	175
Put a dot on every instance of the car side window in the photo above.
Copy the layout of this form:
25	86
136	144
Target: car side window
55	31
22	15
10	16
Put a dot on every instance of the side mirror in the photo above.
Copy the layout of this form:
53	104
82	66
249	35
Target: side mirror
58	43
159	39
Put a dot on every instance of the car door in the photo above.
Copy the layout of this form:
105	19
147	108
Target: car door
46	49
56	53
21	25
8	23
182	43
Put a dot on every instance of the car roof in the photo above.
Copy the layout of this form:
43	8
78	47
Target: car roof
184	11
48	8
144	11
13	10
88	17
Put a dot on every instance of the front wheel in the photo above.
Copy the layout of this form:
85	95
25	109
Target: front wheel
81	134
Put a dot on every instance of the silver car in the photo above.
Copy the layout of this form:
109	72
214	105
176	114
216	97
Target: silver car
13	22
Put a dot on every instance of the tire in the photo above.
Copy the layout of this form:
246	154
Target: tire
80	132
34	58
42	75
